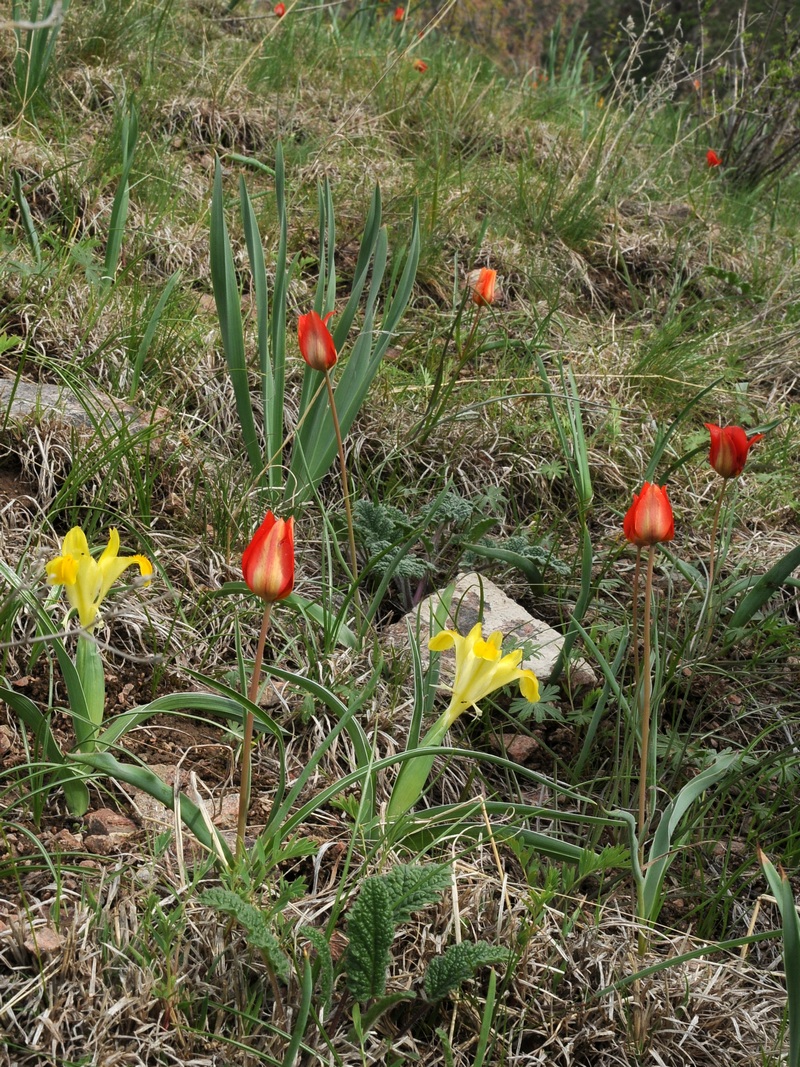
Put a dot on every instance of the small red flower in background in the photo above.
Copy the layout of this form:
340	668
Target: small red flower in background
729	448
713	159
420	65
483	283
649	519
268	561
316	344
280	10
696	84
399	14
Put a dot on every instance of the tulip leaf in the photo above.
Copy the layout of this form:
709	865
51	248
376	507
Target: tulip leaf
663	438
71	781
315	442
143	778
765	587
229	312
661	854
782	891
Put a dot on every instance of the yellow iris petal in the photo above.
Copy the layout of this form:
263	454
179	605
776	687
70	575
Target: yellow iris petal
481	668
86	581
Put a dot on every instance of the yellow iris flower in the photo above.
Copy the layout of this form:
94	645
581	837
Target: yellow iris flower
86	580
481	668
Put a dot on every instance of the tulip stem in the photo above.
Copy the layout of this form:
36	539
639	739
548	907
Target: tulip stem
712	559
635	618
436	404
247	742
345	490
646	697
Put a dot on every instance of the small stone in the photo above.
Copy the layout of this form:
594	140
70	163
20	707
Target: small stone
43	941
67	841
106	821
519	747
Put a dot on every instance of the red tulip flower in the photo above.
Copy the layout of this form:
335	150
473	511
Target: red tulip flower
729	448
649	519
420	65
268	561
713	159
280	10
316	344
399	14
483	284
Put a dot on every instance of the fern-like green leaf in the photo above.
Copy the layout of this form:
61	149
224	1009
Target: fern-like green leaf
447	972
323	949
370	927
412	886
254	921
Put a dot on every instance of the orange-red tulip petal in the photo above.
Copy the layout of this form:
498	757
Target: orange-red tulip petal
729	448
713	159
268	561
316	344
649	519
483	283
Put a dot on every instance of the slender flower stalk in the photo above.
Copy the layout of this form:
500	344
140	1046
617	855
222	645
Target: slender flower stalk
246	775
729	449
319	352
647	689
648	522
268	569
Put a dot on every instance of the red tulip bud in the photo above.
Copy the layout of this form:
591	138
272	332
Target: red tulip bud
649	518
316	344
729	448
483	283
268	561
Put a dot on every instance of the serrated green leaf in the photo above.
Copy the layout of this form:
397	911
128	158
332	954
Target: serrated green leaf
412	886
254	921
370	927
447	972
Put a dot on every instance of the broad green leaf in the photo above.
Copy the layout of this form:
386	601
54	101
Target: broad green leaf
254	921
413	886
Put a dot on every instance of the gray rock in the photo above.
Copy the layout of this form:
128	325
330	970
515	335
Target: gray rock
24	400
476	598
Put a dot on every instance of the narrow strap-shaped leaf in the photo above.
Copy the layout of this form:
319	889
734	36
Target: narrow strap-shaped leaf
782	891
371	230
273	401
661	856
148	781
149	333
765	587
27	219
273	396
229	312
